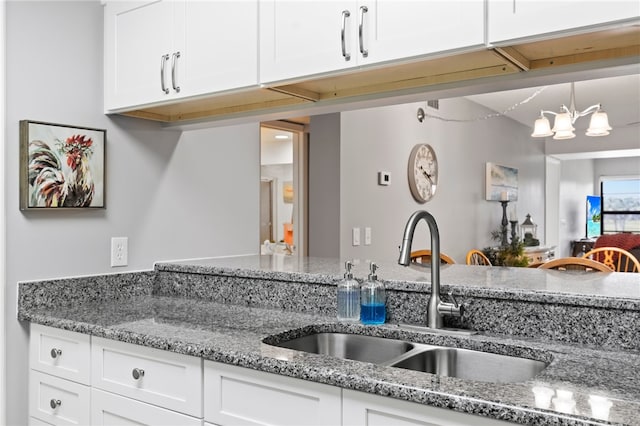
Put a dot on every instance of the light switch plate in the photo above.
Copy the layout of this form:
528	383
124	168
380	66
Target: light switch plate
355	238
367	236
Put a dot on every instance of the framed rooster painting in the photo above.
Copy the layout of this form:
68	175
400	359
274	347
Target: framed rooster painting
61	167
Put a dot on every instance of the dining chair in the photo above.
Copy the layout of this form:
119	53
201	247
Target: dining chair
424	256
575	264
616	258
476	257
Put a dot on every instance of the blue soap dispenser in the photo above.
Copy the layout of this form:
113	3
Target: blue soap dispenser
373	299
348	296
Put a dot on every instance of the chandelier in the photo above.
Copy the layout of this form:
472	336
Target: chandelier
564	120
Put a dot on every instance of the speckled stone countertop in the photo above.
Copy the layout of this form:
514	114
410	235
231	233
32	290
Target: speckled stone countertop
236	334
620	290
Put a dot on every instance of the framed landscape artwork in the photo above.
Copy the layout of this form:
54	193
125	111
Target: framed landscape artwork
61	167
501	183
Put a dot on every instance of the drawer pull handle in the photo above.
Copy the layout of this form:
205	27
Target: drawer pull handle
55	353
345	54
55	403
137	373
176	55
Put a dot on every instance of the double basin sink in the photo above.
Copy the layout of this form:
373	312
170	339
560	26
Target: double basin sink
439	360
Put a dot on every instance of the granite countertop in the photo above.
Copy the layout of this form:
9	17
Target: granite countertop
235	334
616	290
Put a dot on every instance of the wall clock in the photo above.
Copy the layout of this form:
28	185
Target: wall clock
423	172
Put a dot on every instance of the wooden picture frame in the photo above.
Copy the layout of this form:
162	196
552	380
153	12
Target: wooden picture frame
61	166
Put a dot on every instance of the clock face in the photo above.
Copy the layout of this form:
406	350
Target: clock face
423	172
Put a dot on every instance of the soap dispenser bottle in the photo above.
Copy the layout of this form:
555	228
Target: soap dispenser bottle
373	299
348	296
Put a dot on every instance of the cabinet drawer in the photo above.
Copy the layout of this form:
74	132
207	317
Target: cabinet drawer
158	377
240	396
59	352
58	401
110	409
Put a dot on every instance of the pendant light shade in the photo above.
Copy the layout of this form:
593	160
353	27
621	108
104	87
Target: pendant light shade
599	124
562	123
542	128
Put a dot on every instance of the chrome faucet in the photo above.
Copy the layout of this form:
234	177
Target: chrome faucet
436	307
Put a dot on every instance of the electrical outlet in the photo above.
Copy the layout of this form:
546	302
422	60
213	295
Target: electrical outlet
367	236
119	251
355	236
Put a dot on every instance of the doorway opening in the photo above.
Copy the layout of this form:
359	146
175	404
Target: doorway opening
283	188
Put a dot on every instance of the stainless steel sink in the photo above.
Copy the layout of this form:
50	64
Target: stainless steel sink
350	346
439	360
472	365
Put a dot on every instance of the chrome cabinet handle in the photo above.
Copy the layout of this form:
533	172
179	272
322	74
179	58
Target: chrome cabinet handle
137	373
163	61
55	353
345	54
55	403
176	55
363	10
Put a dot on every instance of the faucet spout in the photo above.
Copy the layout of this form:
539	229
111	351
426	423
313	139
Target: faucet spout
436	308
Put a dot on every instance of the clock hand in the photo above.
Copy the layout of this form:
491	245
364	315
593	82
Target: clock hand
427	175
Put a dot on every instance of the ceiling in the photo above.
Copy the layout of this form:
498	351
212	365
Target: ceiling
619	97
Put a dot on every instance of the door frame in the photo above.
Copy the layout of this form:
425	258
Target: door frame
300	181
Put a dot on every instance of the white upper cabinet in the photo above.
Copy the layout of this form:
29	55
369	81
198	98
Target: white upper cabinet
399	29
302	38
221	44
515	19
162	50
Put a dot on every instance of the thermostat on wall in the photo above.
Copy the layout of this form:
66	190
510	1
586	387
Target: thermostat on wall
384	178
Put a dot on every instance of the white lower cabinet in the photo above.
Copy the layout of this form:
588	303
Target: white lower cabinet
158	377
108	409
137	385
58	401
240	396
363	409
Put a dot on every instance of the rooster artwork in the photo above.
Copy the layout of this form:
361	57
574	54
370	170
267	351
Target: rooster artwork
60	171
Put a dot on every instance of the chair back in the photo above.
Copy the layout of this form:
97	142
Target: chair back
424	256
575	264
616	258
476	257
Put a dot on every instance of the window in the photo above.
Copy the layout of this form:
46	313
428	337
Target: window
620	204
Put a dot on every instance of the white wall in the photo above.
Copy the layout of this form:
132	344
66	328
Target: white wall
576	182
614	167
324	208
174	195
3	388
381	139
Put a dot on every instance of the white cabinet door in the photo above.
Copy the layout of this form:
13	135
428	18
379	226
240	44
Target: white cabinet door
398	29
163	378
108	409
220	46
300	38
240	396
361	409
138	46
60	353
58	401
514	19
